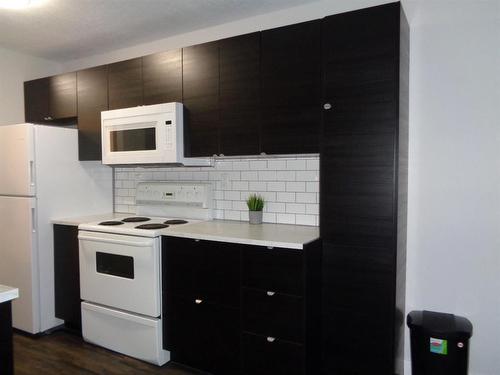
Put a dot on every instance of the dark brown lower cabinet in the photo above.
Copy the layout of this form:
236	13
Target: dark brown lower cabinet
67	275
6	348
273	328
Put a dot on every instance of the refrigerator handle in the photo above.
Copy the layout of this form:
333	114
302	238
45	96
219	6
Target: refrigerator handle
33	220
32	173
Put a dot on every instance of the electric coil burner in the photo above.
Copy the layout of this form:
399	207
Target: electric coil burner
152	226
111	223
175	222
135	219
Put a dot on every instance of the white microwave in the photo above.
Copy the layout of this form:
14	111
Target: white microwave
152	134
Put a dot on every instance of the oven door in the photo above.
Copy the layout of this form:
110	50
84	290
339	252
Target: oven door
121	271
141	139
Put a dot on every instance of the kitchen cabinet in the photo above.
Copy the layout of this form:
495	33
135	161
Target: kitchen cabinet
363	189
218	297
92	98
162	77
67	275
51	99
291	88
125	84
239	99
201	298
36	100
200	76
6	345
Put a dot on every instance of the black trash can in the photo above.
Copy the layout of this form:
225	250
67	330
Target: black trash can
439	343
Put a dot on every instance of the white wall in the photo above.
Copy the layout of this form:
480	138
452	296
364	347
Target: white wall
454	169
15	68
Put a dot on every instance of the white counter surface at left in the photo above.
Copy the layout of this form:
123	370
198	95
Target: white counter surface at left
8	293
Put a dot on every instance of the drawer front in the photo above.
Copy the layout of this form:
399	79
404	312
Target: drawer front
202	335
268	313
205	270
262	357
279	270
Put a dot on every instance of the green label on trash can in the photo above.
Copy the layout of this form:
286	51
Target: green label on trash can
439	346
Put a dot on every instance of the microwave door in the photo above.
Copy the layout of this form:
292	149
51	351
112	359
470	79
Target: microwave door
128	140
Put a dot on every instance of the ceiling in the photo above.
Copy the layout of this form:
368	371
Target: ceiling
63	30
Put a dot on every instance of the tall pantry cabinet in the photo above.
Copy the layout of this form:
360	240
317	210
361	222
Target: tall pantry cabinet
364	148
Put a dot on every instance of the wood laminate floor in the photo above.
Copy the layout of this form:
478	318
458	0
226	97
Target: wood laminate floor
64	353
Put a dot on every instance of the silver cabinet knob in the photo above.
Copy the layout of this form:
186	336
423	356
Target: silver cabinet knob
327	106
270	293
198	301
270	339
270	247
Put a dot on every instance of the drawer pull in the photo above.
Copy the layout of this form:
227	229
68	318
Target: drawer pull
196	240
198	301
270	293
270	247
270	339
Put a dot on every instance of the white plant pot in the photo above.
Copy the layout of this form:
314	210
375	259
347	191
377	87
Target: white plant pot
255	217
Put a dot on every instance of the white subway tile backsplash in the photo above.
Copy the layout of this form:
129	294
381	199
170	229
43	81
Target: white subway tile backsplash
305	198
289	186
296	186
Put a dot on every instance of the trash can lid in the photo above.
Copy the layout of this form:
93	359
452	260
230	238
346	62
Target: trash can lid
440	325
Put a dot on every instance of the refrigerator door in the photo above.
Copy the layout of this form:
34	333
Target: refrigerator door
18	259
17	160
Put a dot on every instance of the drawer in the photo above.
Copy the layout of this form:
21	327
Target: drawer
274	314
263	357
276	269
202	269
202	335
130	334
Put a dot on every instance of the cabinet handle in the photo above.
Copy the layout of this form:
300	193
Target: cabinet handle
327	106
196	240
270	293
270	339
198	301
270	247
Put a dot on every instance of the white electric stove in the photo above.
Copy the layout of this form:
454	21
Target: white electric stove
120	268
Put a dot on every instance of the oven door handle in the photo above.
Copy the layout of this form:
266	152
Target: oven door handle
138	243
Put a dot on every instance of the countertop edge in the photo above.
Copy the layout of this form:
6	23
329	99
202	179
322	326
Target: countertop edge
9	295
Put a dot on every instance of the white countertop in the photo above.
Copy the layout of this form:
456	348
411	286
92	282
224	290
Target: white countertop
275	235
8	293
75	221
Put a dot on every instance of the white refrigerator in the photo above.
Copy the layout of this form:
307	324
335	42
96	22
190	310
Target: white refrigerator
41	179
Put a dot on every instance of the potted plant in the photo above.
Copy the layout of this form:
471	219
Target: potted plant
255	205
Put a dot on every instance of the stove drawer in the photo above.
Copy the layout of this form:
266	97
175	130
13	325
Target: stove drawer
120	271
125	333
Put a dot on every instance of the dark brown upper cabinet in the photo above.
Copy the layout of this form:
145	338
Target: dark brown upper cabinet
239	100
291	88
200	65
125	84
51	99
92	99
162	77
62	96
36	100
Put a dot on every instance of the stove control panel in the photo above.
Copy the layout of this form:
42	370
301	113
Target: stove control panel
174	193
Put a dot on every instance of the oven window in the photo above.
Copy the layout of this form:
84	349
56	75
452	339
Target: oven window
116	265
133	140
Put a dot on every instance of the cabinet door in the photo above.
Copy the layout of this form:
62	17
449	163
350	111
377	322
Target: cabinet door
92	99
125	84
291	73
240	95
202	335
62	96
6	347
360	68
67	275
162	77
200	65
36	100
204	270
